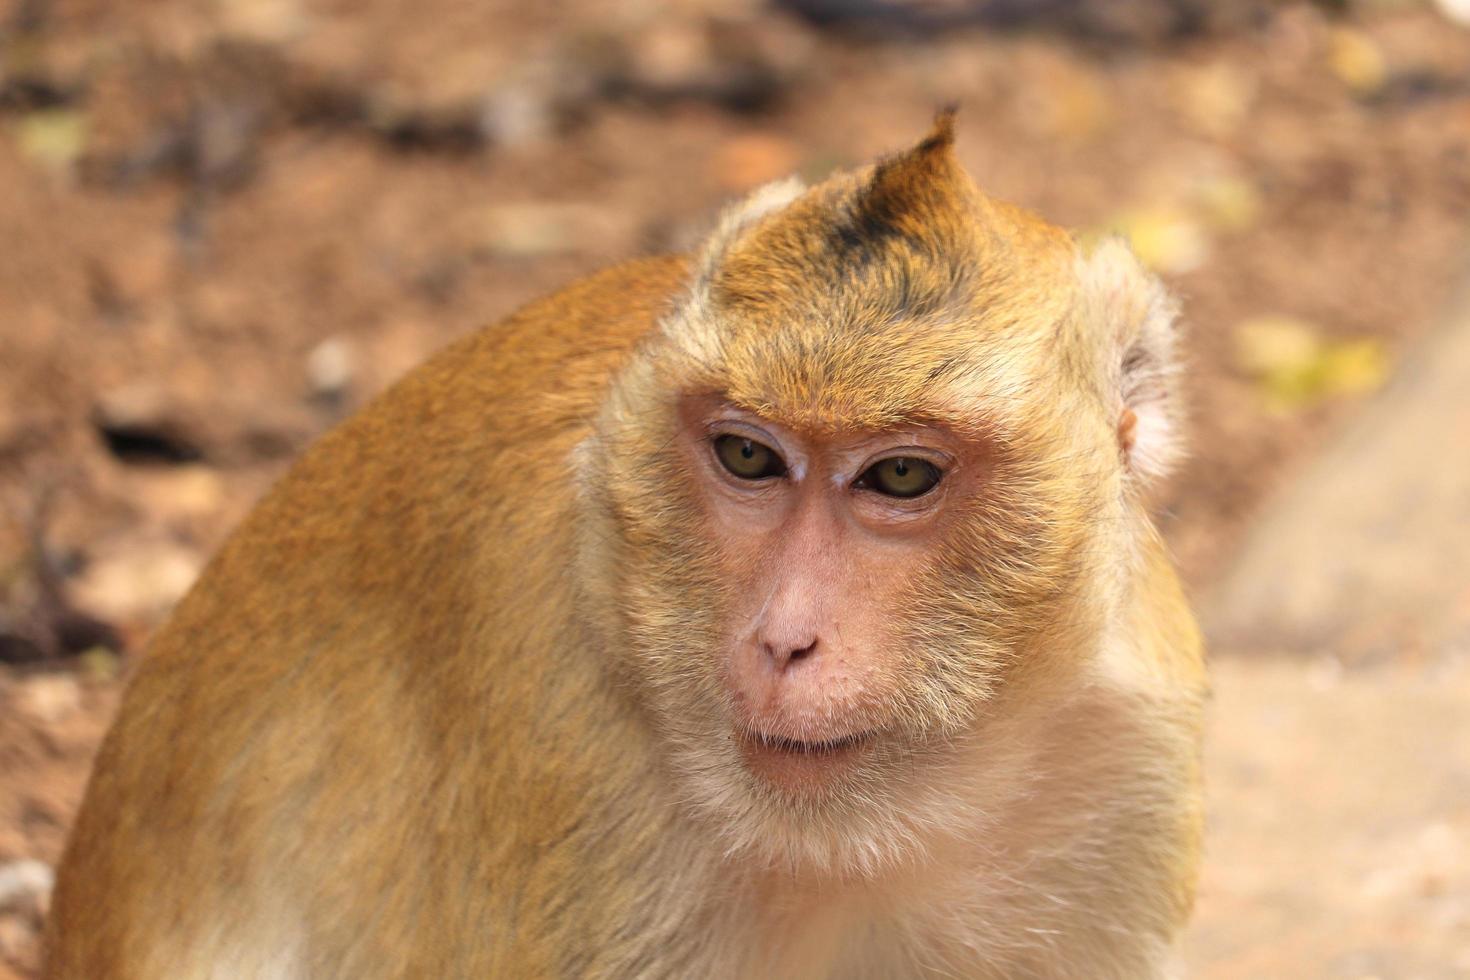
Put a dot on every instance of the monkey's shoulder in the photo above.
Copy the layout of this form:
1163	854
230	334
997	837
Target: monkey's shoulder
372	521
491	414
565	344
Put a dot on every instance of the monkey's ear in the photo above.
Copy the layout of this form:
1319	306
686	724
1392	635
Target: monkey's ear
1135	317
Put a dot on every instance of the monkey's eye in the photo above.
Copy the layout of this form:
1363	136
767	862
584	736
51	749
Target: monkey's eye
747	458
901	476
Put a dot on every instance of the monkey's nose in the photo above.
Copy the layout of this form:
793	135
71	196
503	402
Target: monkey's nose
782	655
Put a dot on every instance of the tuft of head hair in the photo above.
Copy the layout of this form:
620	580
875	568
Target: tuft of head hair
908	191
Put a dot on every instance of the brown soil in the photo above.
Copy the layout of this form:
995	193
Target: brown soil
231	224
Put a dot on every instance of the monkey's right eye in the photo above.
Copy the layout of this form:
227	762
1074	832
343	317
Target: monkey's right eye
747	458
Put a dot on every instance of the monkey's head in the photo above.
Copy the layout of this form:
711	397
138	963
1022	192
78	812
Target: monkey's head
868	496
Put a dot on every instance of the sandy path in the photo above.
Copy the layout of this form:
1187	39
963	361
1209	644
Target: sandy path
1339	839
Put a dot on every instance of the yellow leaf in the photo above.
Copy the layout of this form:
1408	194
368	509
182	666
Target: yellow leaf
53	138
1355	367
1165	238
1230	203
1357	60
1295	367
100	664
1274	344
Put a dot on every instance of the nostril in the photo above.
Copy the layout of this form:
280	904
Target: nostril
783	654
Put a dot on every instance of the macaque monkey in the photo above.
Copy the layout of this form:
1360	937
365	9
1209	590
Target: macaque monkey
786	610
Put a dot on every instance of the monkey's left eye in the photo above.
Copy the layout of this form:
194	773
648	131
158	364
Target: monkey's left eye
901	476
748	459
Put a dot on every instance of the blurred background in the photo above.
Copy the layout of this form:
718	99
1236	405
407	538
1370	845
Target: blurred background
228	223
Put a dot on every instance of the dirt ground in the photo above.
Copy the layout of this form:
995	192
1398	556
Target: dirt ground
229	224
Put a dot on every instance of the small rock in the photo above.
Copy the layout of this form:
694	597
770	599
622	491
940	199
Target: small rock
49	698
191	490
25	883
330	368
519	114
140	583
1456	10
263	21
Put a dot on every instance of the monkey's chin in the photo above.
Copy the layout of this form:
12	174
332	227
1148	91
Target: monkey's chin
804	767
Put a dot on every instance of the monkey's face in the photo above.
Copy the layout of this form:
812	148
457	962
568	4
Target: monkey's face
831	599
825	621
861	502
824	541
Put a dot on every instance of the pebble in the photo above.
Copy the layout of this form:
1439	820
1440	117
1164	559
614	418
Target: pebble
25	882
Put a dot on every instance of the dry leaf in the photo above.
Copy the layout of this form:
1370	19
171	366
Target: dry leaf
1230	203
1357	60
53	138
1217	98
1295	367
1167	239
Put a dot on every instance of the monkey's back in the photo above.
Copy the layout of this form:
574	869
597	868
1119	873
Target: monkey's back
372	676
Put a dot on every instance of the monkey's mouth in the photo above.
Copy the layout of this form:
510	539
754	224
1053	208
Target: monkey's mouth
798	747
802	762
803	765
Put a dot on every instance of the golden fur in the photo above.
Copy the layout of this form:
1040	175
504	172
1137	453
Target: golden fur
439	708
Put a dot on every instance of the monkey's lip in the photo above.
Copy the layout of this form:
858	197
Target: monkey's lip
784	751
815	747
803	765
797	763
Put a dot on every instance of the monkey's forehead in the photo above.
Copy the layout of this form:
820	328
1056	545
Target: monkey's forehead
819	381
902	336
820	405
881	347
883	296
